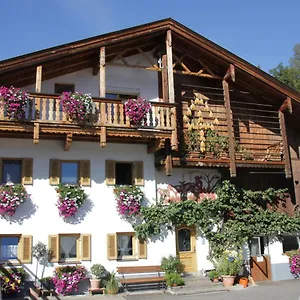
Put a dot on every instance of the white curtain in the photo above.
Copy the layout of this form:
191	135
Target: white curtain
124	245
9	252
68	246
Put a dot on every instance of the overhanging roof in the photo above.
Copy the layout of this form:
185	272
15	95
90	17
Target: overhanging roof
145	31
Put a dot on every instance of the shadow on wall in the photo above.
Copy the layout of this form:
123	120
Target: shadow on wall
164	231
25	211
82	212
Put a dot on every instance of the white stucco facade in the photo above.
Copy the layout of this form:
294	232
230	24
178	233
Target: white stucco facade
118	80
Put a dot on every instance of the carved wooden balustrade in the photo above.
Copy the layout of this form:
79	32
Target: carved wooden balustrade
106	112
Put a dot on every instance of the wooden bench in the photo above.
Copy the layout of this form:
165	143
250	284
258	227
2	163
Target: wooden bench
155	276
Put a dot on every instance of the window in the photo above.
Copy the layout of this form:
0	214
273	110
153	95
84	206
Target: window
9	247
11	171
15	248
70	247
120	96
69	172
290	242
124	173
124	245
59	88
15	171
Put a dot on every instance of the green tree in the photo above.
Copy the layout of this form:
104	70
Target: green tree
289	74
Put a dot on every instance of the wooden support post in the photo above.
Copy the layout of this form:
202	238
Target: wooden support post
103	137
68	141
102	72
36	133
38	79
170	67
230	74
229	120
287	104
168	161
164	77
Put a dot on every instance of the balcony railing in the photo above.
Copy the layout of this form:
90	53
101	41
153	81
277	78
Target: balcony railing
45	108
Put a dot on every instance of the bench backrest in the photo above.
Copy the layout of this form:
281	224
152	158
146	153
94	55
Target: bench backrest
139	269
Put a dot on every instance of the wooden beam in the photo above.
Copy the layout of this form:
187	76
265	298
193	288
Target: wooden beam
169	165
230	74
164	77
38	79
156	145
286	153
103	137
287	104
174	140
229	128
102	72
68	141
170	66
36	133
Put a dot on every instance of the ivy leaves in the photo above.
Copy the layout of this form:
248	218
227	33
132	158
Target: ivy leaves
232	219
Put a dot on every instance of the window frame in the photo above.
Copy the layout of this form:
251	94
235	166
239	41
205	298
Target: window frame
57	84
17	260
78	254
134	255
78	171
131	163
118	94
3	160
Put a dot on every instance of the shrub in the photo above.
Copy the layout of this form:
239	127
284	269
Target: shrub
12	280
66	279
294	263
15	101
98	270
11	196
174	279
171	264
230	263
213	274
112	284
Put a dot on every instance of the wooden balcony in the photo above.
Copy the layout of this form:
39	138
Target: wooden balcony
44	117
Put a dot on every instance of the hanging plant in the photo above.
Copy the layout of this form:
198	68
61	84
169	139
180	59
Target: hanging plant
78	106
11	196
12	280
15	101
129	200
67	278
137	110
71	197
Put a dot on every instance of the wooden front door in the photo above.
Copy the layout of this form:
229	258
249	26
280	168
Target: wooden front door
186	247
260	260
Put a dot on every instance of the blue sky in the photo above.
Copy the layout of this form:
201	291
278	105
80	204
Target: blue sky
261	31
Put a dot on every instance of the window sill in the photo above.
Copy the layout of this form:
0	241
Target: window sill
127	259
8	263
69	262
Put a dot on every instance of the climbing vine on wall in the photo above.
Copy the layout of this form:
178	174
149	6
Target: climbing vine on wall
234	217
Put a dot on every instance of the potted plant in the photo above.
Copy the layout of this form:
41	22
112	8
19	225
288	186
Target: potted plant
66	279
229	265
12	281
174	279
112	284
211	141
77	106
70	199
171	265
214	275
244	281
97	270
223	146
136	110
15	101
129	200
294	263
11	196
40	253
